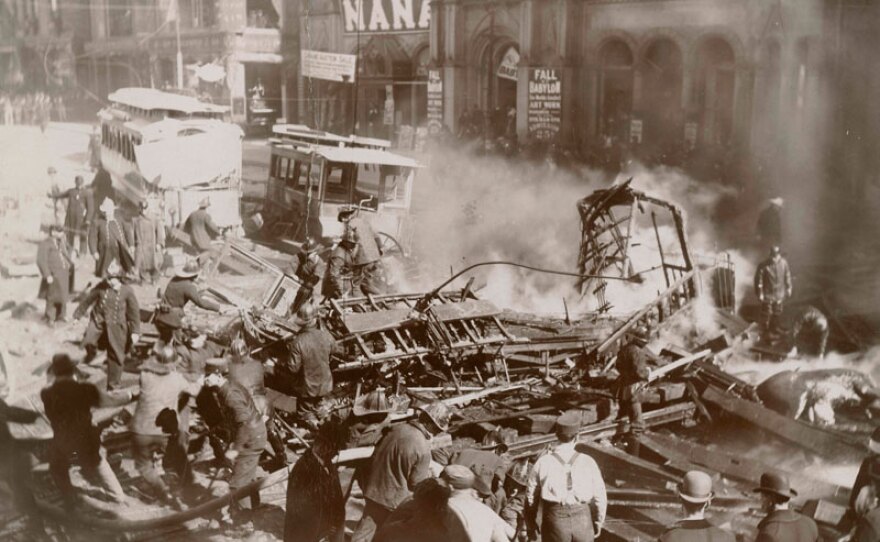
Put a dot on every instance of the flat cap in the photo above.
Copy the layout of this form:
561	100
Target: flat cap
458	477
567	426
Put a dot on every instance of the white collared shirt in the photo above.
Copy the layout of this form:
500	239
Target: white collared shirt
551	475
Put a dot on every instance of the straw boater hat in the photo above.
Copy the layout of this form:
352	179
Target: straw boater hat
107	206
777	201
776	484
696	487
189	270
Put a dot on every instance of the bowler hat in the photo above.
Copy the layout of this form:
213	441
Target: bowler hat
61	365
458	477
695	487
776	484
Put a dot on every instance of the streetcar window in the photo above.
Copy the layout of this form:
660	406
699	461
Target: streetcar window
338	182
394	184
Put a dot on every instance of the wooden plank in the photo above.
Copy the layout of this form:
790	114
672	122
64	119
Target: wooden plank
471	308
621	464
365	322
812	438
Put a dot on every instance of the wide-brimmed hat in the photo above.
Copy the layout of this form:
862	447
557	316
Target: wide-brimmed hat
61	364
438	413
107	206
519	473
371	404
696	487
776	484
306	315
189	270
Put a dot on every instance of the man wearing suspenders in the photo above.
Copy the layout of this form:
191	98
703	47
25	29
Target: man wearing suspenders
567	484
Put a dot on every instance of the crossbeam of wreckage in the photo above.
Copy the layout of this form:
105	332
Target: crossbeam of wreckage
516	373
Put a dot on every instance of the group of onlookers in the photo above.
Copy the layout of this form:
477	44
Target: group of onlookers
32	108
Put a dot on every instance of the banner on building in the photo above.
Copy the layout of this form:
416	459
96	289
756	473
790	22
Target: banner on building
385	16
545	103
435	102
509	63
329	66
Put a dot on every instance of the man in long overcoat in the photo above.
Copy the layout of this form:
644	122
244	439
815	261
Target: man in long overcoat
148	235
80	210
110	241
53	260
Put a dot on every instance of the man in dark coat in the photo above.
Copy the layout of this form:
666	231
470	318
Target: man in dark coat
308	272
400	461
633	368
201	228
148	240
368	256
110	241
180	291
695	493
782	524
315	508
770	223
308	367
114	323
773	287
80	211
56	267
339	277
68	406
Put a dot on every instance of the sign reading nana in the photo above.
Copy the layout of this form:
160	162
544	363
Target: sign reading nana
386	16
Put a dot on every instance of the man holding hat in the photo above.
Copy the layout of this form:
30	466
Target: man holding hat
68	405
695	493
773	287
110	241
307	371
869	469
181	289
114	322
339	276
161	388
56	267
249	436
480	522
367	258
400	461
148	236
80	209
781	523
201	228
567	483
308	272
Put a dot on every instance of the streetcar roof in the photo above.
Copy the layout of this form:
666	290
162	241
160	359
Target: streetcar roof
152	99
357	155
320	137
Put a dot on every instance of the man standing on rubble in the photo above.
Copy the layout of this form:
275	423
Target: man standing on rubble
68	406
148	238
114	322
781	523
339	277
773	287
249	436
110	241
308	272
80	208
368	257
400	461
632	365
181	289
695	493
56	267
567	483
308	367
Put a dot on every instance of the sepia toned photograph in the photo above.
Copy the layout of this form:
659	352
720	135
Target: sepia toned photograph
440	270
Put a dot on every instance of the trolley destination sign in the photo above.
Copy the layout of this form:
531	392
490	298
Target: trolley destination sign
385	16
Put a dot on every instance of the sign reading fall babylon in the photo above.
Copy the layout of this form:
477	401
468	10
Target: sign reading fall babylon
545	103
435	102
385	16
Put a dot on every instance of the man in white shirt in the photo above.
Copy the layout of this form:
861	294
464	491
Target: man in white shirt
478	520
566	483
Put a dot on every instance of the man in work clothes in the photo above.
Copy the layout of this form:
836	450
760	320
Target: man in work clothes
480	522
80	210
368	256
566	482
695	493
308	368
781	523
339	277
68	406
114	323
308	272
249	436
202	230
400	461
148	236
773	287
633	368
56	267
110	241
181	289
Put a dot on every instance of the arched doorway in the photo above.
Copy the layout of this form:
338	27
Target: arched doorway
661	70
498	91
714	83
615	90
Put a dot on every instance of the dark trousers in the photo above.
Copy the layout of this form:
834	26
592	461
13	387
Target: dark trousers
144	448
374	516
771	316
566	523
55	311
94	468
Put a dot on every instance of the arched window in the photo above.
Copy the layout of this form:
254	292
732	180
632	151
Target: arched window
616	89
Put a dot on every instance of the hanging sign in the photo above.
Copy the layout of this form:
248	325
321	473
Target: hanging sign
509	62
435	102
328	66
385	16
545	103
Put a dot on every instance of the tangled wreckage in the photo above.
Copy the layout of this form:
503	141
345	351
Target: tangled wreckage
512	374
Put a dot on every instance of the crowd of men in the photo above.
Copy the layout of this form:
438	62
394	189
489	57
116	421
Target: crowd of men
32	108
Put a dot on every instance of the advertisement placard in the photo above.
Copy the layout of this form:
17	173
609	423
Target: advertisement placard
545	103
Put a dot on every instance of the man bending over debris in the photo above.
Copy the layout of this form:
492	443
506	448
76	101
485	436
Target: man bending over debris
810	333
69	405
114	323
180	291
695	493
368	256
773	287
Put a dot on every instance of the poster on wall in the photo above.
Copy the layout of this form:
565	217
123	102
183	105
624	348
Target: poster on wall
435	102
328	66
385	16
508	65
545	103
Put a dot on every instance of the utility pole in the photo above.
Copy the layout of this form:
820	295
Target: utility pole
179	54
357	63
